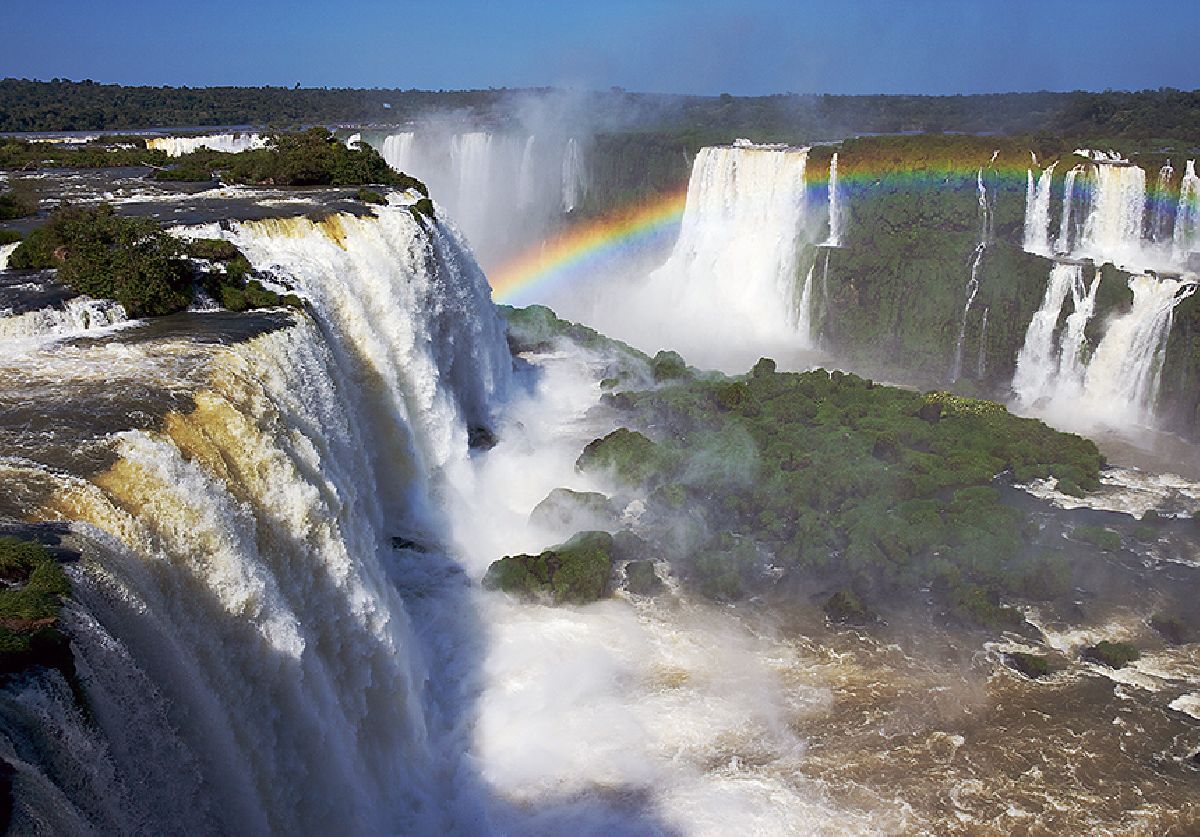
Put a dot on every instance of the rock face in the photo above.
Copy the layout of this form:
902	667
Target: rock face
574	511
576	572
641	579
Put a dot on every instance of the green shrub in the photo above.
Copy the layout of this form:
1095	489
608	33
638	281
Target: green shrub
370	196
214	250
29	606
1111	654
668	366
1031	665
9	237
576	572
1171	628
105	255
1098	536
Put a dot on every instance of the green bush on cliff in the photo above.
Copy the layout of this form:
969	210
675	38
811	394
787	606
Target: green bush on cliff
576	572
102	254
30	601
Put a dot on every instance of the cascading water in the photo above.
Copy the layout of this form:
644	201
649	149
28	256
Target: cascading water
732	280
574	176
981	363
1187	215
835	206
239	623
985	234
1037	211
76	316
1113	229
1065	232
483	177
230	143
1038	360
7	250
1162	217
439	354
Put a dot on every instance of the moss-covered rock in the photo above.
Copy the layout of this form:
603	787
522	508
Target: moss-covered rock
1172	629
574	511
1098	536
1111	654
632	457
845	606
1032	666
370	196
575	572
641	579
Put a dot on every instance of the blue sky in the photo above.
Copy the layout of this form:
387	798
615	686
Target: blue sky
746	47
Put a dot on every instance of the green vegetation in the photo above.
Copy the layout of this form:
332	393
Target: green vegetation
308	158
133	261
9	236
102	254
576	572
33	588
1173	629
1111	654
370	196
844	606
1099	537
835	480
1032	666
19	154
17	202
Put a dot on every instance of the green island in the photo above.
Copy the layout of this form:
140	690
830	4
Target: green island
33	587
825	482
135	262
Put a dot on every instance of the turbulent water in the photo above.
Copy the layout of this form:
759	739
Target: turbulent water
230	143
504	191
734	280
241	631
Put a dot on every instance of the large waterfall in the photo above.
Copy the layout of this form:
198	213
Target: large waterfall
504	191
231	143
1116	384
240	622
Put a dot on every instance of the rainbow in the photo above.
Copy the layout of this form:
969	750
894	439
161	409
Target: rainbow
586	246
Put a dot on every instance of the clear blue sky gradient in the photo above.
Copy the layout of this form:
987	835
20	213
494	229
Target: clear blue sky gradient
696	46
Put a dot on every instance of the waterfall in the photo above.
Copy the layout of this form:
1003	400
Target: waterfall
75	316
504	191
440	352
835	208
804	312
1037	361
1037	211
1113	229
239	618
1121	383
1161	218
1117	385
732	279
574	182
1187	215
397	151
981	364
230	143
7	250
985	233
1065	238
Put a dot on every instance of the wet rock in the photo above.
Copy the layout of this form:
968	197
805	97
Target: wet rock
1032	666
481	438
567	510
1111	654
641	579
844	606
576	572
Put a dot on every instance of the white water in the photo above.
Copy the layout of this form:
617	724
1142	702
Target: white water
241	629
835	204
574	175
1113	229
1116	385
1065	232
76	316
1162	218
1187	216
985	234
7	250
1038	360
504	191
232	143
409	304
732	283
1037	212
